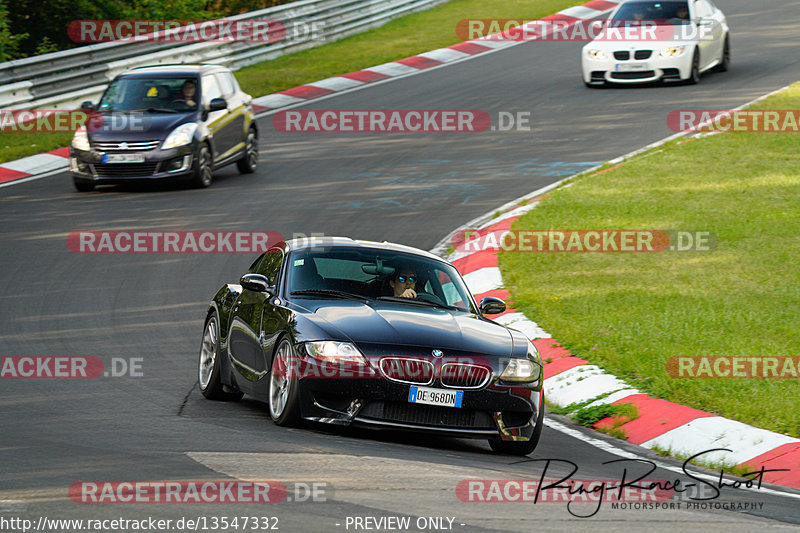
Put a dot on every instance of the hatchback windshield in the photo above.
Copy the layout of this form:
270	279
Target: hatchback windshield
376	274
659	13
154	95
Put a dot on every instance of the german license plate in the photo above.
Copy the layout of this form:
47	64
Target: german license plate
431	396
632	67
123	158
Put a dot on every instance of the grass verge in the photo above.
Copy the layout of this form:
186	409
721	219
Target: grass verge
402	37
630	312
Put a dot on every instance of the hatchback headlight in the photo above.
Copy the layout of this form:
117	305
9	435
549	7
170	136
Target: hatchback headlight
673	51
335	351
524	370
80	141
180	136
596	54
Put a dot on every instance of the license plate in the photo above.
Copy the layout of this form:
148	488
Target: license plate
123	158
632	67
430	396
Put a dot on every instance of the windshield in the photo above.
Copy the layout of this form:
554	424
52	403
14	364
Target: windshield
372	273
659	13
155	95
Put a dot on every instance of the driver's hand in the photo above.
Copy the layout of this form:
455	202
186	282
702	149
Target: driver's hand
409	293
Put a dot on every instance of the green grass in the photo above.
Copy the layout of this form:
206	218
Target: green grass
629	313
589	416
403	37
17	145
400	38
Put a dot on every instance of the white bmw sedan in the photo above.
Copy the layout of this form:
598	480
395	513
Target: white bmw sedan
646	40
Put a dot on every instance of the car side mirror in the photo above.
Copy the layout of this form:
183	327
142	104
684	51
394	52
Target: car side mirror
87	106
492	306
703	22
255	282
217	104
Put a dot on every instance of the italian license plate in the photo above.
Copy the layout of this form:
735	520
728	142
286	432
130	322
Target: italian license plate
431	396
123	158
632	67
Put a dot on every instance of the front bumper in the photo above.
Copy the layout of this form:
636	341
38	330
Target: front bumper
158	164
631	71
373	401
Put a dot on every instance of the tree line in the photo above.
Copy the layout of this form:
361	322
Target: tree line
32	27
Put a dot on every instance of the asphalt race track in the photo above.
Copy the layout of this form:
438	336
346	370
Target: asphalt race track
407	188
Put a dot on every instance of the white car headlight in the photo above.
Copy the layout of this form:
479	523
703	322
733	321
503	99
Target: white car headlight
81	140
596	54
180	136
673	51
335	351
524	370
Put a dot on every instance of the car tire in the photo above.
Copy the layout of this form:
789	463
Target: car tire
521	448
209	364
202	170
694	74
249	161
725	61
284	408
83	185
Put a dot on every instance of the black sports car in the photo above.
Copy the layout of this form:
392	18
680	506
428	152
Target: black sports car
375	334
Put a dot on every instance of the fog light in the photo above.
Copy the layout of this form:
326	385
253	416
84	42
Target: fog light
180	163
78	166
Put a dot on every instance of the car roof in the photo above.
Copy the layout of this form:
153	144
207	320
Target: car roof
347	242
176	69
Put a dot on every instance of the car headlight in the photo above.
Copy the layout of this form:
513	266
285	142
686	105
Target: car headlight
524	370
335	351
80	141
673	51
596	54
180	136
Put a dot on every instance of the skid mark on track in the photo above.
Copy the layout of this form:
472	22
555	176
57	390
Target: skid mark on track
186	399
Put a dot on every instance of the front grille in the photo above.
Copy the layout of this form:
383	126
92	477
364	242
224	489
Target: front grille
125	170
138	146
642	54
428	415
407	370
465	376
622	55
633	75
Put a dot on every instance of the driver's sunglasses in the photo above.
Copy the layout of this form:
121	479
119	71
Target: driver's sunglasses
403	279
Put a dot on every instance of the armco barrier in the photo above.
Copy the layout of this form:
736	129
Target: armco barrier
64	79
